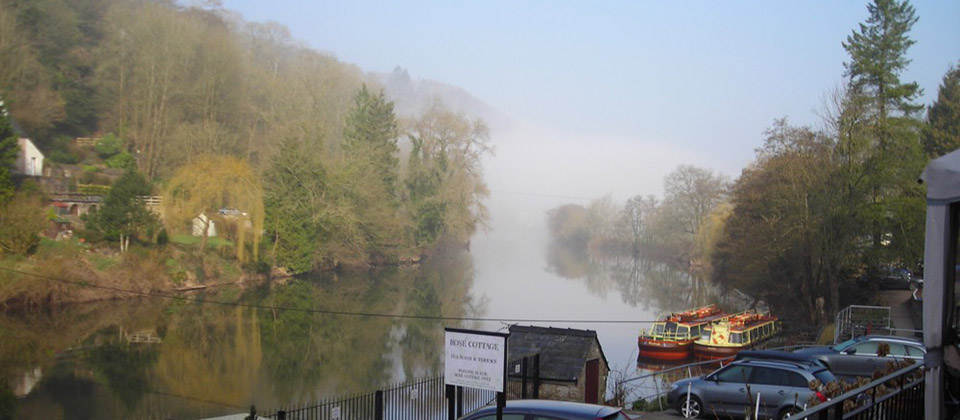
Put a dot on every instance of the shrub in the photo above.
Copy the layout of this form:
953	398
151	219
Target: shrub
21	221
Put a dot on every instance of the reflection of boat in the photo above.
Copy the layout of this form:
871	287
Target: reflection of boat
671	336
741	331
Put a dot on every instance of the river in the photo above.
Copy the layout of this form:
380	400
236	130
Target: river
277	344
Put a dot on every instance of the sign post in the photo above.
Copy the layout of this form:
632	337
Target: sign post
476	359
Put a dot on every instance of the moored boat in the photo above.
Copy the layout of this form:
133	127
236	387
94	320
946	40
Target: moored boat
672	335
740	331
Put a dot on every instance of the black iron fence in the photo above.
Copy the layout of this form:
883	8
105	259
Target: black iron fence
898	395
425	399
523	378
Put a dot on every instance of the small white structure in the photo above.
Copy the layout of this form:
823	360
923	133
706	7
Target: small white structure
199	222
29	159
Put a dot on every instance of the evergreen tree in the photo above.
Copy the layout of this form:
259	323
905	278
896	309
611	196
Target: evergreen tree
878	138
124	213
292	181
942	133
878	54
8	154
371	134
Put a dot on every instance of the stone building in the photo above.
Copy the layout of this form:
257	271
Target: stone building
572	364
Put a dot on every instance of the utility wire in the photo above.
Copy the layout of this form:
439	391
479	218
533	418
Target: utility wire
323	311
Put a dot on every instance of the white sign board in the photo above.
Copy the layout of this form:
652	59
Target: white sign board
475	360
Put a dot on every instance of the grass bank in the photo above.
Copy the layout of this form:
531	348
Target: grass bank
72	271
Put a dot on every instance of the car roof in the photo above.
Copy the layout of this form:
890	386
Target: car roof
806	365
550	406
776	355
891	338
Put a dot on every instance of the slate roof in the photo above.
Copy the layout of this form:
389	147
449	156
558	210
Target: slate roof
563	351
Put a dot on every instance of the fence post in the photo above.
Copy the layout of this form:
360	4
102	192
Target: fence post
378	405
523	378
459	401
536	376
451	403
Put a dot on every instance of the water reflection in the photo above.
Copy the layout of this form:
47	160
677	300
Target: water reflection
639	282
213	359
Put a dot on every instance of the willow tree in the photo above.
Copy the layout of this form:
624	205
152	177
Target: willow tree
209	184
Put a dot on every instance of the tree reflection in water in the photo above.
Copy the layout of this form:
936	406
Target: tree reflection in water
652	284
218	359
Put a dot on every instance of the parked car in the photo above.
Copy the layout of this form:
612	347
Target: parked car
548	410
781	382
858	356
889	278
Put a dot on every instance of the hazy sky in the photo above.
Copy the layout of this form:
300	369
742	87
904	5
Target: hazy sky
661	83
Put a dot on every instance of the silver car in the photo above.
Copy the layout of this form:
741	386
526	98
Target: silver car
858	357
782	388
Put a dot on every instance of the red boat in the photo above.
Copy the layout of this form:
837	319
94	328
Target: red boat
671	337
741	331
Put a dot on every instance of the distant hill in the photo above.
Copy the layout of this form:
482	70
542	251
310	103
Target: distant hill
411	97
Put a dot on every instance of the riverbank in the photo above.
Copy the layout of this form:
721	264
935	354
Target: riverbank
73	271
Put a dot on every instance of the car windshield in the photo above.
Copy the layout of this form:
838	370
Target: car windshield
843	345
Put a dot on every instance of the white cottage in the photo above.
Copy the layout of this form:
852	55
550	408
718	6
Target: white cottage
29	159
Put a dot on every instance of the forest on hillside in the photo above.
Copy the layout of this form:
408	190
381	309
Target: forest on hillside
819	207
212	112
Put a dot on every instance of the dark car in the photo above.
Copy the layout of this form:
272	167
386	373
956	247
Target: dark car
889	278
548	410
858	356
783	386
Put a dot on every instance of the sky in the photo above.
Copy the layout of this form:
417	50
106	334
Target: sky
613	95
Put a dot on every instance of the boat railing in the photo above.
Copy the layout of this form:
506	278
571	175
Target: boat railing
667	335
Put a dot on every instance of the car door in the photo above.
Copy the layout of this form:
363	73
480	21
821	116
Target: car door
858	360
725	392
768	384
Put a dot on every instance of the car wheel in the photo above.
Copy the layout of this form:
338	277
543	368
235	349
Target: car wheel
788	412
690	408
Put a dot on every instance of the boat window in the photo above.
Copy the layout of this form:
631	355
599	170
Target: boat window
766	329
657	329
695	331
705	336
735	373
671	327
683	330
735	338
754	334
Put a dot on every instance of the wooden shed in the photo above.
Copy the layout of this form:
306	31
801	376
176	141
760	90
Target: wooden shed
572	364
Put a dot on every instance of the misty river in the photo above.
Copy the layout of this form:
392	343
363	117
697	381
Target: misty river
207	359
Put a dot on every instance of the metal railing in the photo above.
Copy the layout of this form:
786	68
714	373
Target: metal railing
424	399
856	320
898	395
